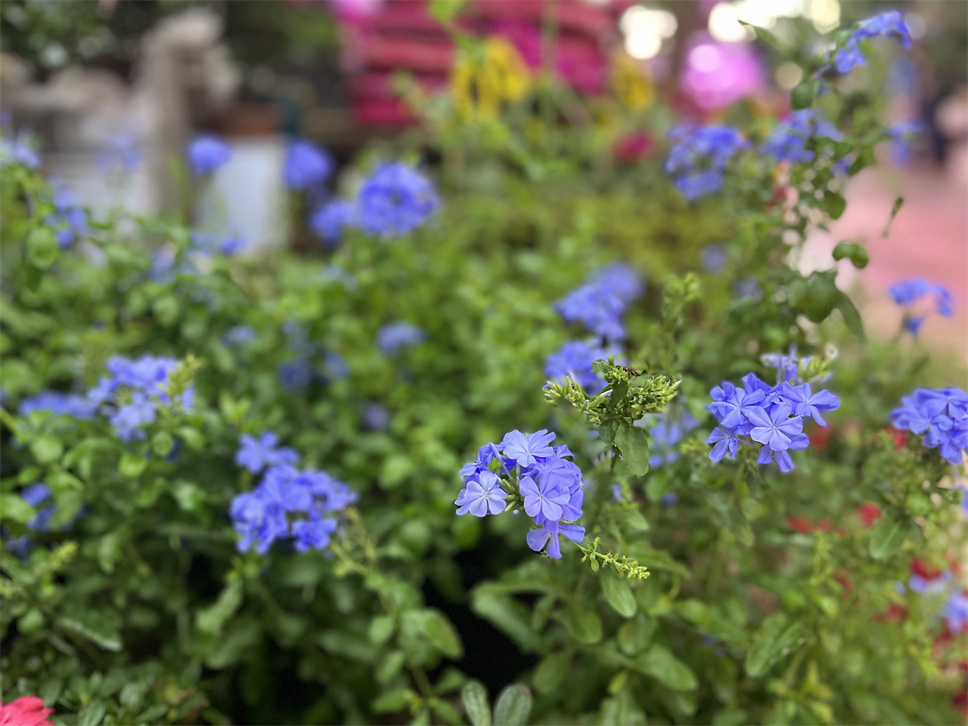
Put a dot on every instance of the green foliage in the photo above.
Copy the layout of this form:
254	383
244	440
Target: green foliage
136	606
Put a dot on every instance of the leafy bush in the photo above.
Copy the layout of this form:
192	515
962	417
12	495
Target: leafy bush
228	484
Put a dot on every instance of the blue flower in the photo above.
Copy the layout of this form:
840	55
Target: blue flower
59	404
956	613
713	258
849	56
908	293
208	152
290	503
35	495
768	415
19	150
789	139
395	200
306	166
296	374
255	454
665	431
525	449
574	360
481	495
69	218
940	416
598	309
119	155
240	335
620	279
699	156
229	246
393	337
128	418
541	480
331	220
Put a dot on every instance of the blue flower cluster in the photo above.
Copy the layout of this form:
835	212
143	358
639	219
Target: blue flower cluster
59	404
665	431
788	142
574	360
35	495
394	200
18	150
120	155
849	56
229	245
768	415
698	158
908	293
331	220
956	613
132	392
306	166
288	502
69	218
206	153
537	477
600	302
941	415
393	337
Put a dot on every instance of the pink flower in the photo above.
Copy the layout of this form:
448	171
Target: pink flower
25	711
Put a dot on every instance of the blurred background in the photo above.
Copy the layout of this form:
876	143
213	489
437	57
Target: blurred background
113	90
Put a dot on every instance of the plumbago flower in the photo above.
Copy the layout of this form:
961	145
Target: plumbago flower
665	431
771	416
699	156
133	391
908	293
206	153
301	505
532	475
306	166
600	302
395	200
849	55
789	139
941	416
331	220
574	360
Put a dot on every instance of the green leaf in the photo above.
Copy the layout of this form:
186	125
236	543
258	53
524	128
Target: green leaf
132	466
659	663
13	508
240	637
192	437
391	664
804	94
91	714
898	203
584	625
619	594
550	671
775	640
213	618
46	449
767	37
166	310
42	249
393	700
856	253
99	628
381	628
888	535
635	635
834	203
851	317
513	706
508	616
633	443
161	443
474	697
442	634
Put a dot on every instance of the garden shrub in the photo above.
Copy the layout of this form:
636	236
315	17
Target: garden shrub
231	485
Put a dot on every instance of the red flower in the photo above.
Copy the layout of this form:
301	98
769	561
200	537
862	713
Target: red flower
801	524
898	437
821	436
25	711
920	567
868	514
633	147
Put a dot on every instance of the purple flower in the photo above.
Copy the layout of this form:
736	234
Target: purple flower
482	496
574	360
255	454
849	56
725	443
699	156
543	499
941	416
306	166
524	448
395	200
548	534
956	613
59	404
313	533
331	220
392	337
807	403
206	153
775	430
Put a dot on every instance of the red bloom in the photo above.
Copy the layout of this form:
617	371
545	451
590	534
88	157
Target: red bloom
633	147
920	567
868	514
899	437
820	436
25	711
800	524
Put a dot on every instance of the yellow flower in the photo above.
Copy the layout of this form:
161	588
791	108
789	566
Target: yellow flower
485	84
631	82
